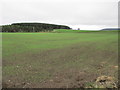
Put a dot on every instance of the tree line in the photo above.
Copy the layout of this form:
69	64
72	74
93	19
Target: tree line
32	27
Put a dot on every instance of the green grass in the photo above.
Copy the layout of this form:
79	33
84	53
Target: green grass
71	31
80	31
35	57
23	42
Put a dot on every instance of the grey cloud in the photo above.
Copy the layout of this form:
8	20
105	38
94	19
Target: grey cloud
73	13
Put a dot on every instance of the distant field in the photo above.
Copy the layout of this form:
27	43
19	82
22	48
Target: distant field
80	31
59	59
71	31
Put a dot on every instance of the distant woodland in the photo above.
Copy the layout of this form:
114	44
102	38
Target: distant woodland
32	27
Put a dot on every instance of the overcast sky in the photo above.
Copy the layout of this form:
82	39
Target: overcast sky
83	14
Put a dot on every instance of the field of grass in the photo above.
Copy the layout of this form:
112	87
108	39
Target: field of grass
80	31
58	59
71	31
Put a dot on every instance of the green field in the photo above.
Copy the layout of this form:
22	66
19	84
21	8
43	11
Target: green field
56	59
71	31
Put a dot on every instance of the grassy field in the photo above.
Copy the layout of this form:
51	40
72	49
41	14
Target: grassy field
79	31
70	31
59	59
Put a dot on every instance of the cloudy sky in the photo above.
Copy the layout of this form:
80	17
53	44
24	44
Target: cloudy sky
83	14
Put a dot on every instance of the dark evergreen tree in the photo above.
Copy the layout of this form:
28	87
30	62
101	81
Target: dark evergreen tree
32	27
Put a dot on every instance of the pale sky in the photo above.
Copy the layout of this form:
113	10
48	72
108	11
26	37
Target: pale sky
83	14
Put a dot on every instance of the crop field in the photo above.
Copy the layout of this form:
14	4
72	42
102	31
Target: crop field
60	59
